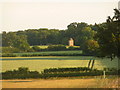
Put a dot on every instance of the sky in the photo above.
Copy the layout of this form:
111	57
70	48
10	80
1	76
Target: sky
34	14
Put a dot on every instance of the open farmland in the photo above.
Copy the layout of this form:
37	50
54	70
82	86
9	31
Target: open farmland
46	46
63	83
42	46
40	63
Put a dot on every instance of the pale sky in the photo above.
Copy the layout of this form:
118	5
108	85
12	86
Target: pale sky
51	14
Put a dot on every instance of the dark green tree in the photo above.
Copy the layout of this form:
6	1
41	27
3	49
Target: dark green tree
109	36
90	47
11	39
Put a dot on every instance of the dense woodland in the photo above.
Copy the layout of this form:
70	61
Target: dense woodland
80	32
102	39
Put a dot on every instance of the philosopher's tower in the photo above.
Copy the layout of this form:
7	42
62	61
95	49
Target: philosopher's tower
71	42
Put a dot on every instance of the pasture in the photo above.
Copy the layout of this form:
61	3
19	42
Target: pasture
42	46
40	63
46	46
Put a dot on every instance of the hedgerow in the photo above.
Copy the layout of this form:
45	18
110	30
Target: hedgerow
25	73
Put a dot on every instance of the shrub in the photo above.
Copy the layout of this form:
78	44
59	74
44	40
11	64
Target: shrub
36	48
73	48
71	74
10	50
76	69
30	50
21	73
90	47
56	47
24	73
8	55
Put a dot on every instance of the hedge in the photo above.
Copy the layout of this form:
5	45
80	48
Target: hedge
25	73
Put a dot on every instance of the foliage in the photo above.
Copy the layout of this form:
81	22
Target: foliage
36	48
21	73
8	55
54	53
72	74
78	31
24	73
90	47
56	70
73	48
10	50
11	39
56	47
56	39
46	53
108	37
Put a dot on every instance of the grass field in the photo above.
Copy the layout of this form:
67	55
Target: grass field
63	83
46	46
40	63
42	46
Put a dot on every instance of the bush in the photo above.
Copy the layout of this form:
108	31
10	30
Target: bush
36	48
71	74
52	54
21	73
73	48
8	55
24	73
90	47
56	47
30	50
56	70
10	50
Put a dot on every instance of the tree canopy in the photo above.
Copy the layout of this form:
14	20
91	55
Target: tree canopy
102	39
108	36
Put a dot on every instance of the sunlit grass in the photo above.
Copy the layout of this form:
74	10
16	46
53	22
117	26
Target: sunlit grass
40	63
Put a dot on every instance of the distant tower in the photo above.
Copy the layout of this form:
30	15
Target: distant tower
71	42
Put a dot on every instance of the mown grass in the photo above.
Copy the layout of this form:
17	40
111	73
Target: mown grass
46	46
40	63
42	46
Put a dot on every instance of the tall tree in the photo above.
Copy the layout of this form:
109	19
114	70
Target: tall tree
11	39
109	36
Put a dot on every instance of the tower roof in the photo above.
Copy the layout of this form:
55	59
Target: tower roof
71	39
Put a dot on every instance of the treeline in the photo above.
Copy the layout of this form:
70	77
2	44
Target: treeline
98	39
25	73
43	36
80	32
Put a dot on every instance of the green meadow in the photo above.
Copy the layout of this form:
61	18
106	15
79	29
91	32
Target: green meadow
44	62
46	46
42	46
